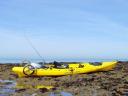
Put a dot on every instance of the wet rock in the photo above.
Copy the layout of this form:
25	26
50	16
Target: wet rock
43	90
114	82
53	89
20	90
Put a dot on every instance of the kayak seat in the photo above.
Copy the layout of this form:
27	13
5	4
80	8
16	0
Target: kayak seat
60	65
44	67
96	63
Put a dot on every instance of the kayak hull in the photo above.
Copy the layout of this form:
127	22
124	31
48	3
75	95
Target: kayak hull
72	69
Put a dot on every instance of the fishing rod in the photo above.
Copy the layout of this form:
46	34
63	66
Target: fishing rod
33	47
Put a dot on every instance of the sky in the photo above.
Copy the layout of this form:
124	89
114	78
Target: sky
64	28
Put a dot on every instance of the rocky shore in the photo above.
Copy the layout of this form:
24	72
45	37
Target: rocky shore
110	83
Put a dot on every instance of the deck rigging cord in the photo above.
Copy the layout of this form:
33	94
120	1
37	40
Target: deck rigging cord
33	47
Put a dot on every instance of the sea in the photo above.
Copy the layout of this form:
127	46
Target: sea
19	60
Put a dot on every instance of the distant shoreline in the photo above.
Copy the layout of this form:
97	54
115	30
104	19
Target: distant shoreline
67	62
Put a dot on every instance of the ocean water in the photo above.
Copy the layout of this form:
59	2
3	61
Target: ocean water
19	60
9	87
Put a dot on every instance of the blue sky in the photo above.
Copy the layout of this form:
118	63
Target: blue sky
64	28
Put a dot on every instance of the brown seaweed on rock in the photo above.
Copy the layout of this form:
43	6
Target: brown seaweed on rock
110	83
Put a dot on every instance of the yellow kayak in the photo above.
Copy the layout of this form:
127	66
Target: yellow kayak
69	70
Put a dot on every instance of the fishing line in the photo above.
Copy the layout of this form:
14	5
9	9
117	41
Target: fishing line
33	47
